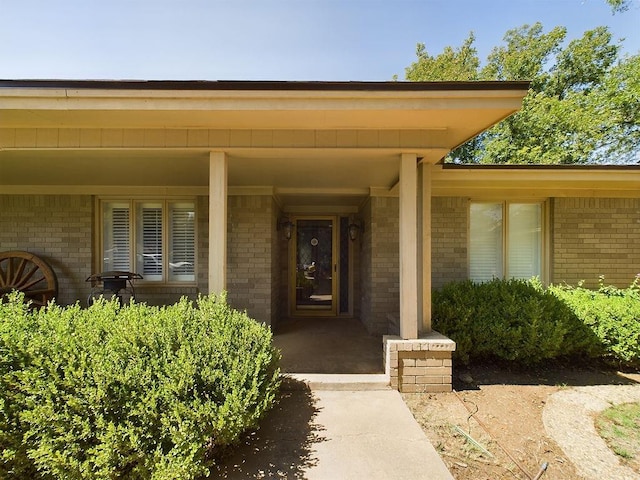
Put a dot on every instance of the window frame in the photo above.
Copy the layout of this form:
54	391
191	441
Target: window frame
545	234
133	203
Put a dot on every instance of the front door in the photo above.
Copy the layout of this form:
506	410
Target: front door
313	266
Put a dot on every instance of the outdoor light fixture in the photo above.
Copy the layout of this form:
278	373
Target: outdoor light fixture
354	228
286	226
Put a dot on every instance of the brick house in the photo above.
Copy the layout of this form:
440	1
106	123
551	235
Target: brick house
299	198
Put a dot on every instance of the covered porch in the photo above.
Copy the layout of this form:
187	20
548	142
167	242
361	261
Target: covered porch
248	158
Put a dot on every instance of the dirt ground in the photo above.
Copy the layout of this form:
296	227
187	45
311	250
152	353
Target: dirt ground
501	410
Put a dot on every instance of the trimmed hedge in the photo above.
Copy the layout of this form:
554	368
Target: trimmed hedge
134	392
613	314
511	320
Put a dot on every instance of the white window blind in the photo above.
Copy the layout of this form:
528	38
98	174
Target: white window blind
149	240
525	240
182	242
490	244
485	252
116	237
155	238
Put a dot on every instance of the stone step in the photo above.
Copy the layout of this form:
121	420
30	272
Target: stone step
335	382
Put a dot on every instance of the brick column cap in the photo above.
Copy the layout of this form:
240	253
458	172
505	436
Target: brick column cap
433	341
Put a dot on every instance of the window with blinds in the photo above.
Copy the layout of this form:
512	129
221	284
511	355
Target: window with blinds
182	242
149	240
485	249
154	238
116	237
525	240
505	240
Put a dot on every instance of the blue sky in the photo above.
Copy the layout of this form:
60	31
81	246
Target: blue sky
268	39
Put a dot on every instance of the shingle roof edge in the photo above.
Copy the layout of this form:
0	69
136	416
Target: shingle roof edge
205	85
573	167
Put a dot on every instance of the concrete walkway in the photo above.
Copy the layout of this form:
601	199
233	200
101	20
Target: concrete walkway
569	419
334	435
328	345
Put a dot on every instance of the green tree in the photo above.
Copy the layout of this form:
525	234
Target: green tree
458	64
583	105
618	6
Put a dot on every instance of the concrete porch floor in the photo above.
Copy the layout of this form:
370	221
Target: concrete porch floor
331	345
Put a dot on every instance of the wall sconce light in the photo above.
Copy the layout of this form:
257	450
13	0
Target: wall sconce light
286	226
355	227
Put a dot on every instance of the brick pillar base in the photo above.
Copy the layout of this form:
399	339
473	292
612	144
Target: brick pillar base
419	365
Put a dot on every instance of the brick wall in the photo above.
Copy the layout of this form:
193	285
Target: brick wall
596	236
590	237
449	240
56	228
283	246
202	206
379	268
356	258
249	254
365	265
164	295
277	260
253	273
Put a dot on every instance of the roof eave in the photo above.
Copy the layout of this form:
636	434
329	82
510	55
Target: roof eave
226	85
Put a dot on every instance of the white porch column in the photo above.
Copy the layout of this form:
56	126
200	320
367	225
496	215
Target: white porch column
217	222
408	247
425	248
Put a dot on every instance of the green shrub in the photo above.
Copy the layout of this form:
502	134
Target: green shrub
512	320
15	325
136	392
613	314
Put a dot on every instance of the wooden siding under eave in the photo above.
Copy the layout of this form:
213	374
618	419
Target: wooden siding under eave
536	182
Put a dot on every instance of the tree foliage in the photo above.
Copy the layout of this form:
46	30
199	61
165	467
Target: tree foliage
583	105
453	63
618	6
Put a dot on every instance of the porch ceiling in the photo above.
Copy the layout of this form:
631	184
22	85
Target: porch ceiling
298	176
293	168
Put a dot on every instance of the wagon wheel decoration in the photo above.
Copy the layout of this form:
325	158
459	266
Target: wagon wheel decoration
27	273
